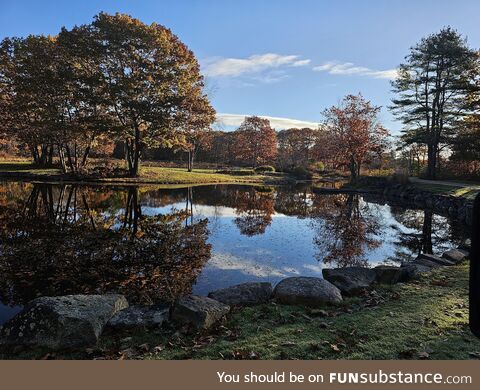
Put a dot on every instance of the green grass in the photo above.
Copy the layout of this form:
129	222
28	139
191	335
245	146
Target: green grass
401	321
150	174
427	318
469	192
26	167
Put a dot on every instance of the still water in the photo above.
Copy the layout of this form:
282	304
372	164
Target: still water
153	243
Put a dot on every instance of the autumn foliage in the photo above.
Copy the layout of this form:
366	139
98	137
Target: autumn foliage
255	142
352	133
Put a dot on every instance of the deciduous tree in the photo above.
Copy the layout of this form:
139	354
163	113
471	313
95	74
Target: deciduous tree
353	133
255	142
153	84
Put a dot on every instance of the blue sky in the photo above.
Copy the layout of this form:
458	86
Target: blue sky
282	59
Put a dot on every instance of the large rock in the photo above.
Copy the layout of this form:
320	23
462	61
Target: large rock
62	322
201	312
455	255
425	262
244	294
466	245
388	274
140	317
413	270
436	259
350	280
308	291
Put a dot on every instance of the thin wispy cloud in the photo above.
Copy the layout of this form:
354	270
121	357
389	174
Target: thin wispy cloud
348	68
234	120
234	67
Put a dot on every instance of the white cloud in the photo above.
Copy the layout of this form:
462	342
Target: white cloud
301	63
349	68
275	122
234	67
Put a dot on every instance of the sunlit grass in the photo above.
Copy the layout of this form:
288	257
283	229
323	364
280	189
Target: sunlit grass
427	316
150	174
466	192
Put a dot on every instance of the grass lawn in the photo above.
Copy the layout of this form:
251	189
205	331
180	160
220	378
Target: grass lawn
26	167
148	174
468	192
427	318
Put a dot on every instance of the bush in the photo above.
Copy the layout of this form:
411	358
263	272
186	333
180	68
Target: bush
237	172
301	173
265	168
318	166
264	189
399	178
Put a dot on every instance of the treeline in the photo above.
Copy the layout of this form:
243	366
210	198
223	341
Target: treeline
349	136
114	79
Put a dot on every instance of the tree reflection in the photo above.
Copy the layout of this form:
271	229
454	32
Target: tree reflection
347	229
56	242
420	231
254	210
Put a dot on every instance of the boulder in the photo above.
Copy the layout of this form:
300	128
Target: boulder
425	263
413	270
307	291
244	294
466	245
435	259
455	255
201	312
388	274
350	280
140	317
62	322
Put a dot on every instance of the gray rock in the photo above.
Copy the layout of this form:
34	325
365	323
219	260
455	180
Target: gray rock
350	280
140	317
244	294
436	259
307	291
201	312
426	263
466	245
388	274
62	322
413	271
455	255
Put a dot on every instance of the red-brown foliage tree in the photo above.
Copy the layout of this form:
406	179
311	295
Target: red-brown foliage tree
353	133
255	142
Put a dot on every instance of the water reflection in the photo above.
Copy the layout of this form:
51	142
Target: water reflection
61	240
157	244
348	229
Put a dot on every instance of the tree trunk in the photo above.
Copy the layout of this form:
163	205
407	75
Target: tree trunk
353	170
432	162
191	154
134	151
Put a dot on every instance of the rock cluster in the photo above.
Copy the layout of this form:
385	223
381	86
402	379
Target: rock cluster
78	320
456	207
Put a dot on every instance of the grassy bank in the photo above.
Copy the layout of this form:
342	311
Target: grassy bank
468	191
425	319
148	174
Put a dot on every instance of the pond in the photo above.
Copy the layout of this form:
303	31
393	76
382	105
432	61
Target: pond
152	243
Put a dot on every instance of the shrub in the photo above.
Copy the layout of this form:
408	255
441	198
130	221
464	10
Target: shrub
318	166
399	178
301	173
264	189
265	168
237	172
